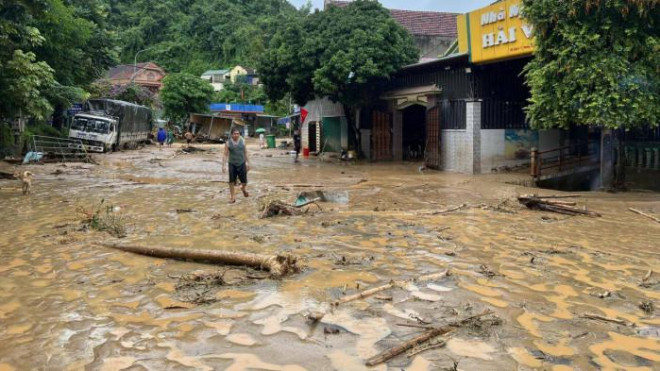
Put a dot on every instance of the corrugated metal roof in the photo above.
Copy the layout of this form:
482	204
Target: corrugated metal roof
215	72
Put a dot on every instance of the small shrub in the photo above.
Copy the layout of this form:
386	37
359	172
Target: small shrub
103	218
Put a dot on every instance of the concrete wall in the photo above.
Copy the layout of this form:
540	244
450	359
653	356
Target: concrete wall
460	150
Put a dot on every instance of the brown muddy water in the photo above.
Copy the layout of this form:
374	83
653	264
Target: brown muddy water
67	303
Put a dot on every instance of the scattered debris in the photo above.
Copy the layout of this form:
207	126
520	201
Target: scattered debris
339	197
391	284
199	287
314	316
607	319
543	203
426	336
657	220
275	207
461	206
646	280
383	297
330	330
181	211
277	265
647	307
486	271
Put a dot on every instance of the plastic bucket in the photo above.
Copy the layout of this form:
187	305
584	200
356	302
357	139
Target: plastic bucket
305	152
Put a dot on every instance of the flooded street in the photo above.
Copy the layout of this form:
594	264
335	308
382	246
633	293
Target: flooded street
553	282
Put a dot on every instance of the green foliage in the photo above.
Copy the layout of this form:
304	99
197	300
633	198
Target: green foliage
345	53
595	63
24	82
241	92
195	35
183	94
6	139
49	51
104	218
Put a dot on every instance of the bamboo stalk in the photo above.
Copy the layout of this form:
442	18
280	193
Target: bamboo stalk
395	351
277	265
391	284
644	214
364	293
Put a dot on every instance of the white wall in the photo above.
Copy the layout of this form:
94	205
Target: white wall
456	151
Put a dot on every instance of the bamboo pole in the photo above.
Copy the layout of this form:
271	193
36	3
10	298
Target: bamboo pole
644	214
277	265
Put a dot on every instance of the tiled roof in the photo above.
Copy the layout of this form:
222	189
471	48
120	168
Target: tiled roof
423	23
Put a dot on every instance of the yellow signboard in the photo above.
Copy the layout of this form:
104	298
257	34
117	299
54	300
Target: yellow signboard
495	32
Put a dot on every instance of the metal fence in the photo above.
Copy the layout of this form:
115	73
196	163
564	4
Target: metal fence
498	114
453	114
66	149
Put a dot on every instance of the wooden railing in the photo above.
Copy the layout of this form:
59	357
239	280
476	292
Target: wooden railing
564	158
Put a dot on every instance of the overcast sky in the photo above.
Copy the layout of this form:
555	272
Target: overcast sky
451	6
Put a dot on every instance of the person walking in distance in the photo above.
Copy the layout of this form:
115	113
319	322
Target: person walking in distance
189	137
296	143
239	163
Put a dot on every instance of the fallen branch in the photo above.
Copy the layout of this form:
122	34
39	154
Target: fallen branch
607	319
449	210
644	214
277	265
391	284
552	196
537	203
430	334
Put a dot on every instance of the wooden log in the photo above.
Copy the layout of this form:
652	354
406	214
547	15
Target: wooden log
277	265
430	334
644	214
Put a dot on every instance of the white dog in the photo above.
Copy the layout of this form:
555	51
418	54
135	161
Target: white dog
26	180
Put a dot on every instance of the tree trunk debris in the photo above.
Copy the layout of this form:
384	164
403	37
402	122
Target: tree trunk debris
562	207
430	334
657	220
277	265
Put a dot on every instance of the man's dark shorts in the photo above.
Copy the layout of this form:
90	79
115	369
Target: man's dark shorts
237	171
297	149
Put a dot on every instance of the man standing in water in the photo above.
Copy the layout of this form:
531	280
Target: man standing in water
296	143
239	163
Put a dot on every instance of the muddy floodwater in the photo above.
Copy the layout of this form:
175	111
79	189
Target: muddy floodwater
567	293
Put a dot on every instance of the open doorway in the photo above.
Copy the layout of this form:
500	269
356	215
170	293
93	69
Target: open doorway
414	132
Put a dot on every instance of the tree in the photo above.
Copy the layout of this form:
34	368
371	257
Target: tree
183	94
595	63
345	53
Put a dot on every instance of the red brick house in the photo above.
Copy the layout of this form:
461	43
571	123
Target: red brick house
148	75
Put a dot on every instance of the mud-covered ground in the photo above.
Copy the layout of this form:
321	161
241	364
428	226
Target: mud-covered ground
69	303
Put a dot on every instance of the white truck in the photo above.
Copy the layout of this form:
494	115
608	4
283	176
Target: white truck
108	125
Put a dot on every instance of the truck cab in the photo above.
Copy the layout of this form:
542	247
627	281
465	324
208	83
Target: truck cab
98	133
